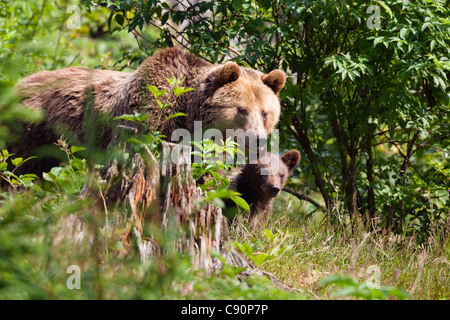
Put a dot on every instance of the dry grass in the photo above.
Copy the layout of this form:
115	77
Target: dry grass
320	249
37	268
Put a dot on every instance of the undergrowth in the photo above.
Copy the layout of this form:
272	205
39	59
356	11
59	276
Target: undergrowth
337	260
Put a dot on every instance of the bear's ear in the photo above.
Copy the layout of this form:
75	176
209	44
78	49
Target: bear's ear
230	72
291	159
275	79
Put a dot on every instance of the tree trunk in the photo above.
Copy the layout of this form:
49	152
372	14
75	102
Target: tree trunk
303	140
370	193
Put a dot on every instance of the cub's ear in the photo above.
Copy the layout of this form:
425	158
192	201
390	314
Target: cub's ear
275	79
291	159
230	72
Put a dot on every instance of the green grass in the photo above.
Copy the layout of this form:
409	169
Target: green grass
319	249
42	235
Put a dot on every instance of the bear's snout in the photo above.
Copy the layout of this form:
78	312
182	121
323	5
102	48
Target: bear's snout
275	190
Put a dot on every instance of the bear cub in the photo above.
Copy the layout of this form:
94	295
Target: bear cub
259	184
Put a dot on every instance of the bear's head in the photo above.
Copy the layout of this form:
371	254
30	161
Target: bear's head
243	98
268	176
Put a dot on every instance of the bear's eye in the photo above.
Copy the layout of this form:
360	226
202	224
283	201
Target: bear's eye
282	176
264	115
242	111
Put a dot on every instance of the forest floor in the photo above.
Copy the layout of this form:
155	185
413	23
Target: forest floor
316	249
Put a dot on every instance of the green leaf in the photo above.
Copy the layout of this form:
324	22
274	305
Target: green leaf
3	166
27	159
28	177
142	117
425	25
221	193
236	4
133	117
78	164
260	258
128	117
269	234
187	90
245	248
395	292
75	149
180	90
152	89
386	7
119	246
110	19
377	41
350	75
135	141
119	19
196	153
9	173
17	161
160	93
403	33
178	114
338	280
165	17
48	176
174	81
231	271
241	202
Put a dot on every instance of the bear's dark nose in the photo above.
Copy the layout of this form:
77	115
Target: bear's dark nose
275	190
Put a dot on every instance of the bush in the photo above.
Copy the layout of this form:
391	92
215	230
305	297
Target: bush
367	95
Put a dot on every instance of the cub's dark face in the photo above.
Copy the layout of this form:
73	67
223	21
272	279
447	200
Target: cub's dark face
272	171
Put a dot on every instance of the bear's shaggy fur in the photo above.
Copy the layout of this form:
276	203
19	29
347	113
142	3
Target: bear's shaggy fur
225	97
260	183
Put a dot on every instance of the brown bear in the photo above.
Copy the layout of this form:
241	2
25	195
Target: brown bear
261	182
225	97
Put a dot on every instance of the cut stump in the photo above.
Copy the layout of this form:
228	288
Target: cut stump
165	193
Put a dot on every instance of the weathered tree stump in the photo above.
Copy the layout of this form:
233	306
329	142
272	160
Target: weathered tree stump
166	193
136	185
207	228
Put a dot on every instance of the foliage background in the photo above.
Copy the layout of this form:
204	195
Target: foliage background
367	107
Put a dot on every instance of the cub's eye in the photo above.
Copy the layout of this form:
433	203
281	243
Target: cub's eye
264	115
242	111
282	176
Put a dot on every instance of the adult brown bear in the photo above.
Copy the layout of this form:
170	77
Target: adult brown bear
225	97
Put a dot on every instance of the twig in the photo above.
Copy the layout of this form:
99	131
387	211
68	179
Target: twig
304	198
314	295
104	205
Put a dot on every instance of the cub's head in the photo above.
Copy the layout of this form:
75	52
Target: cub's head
268	176
242	98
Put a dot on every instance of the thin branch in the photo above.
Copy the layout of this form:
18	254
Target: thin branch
104	204
389	141
136	34
404	122
426	143
304	198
